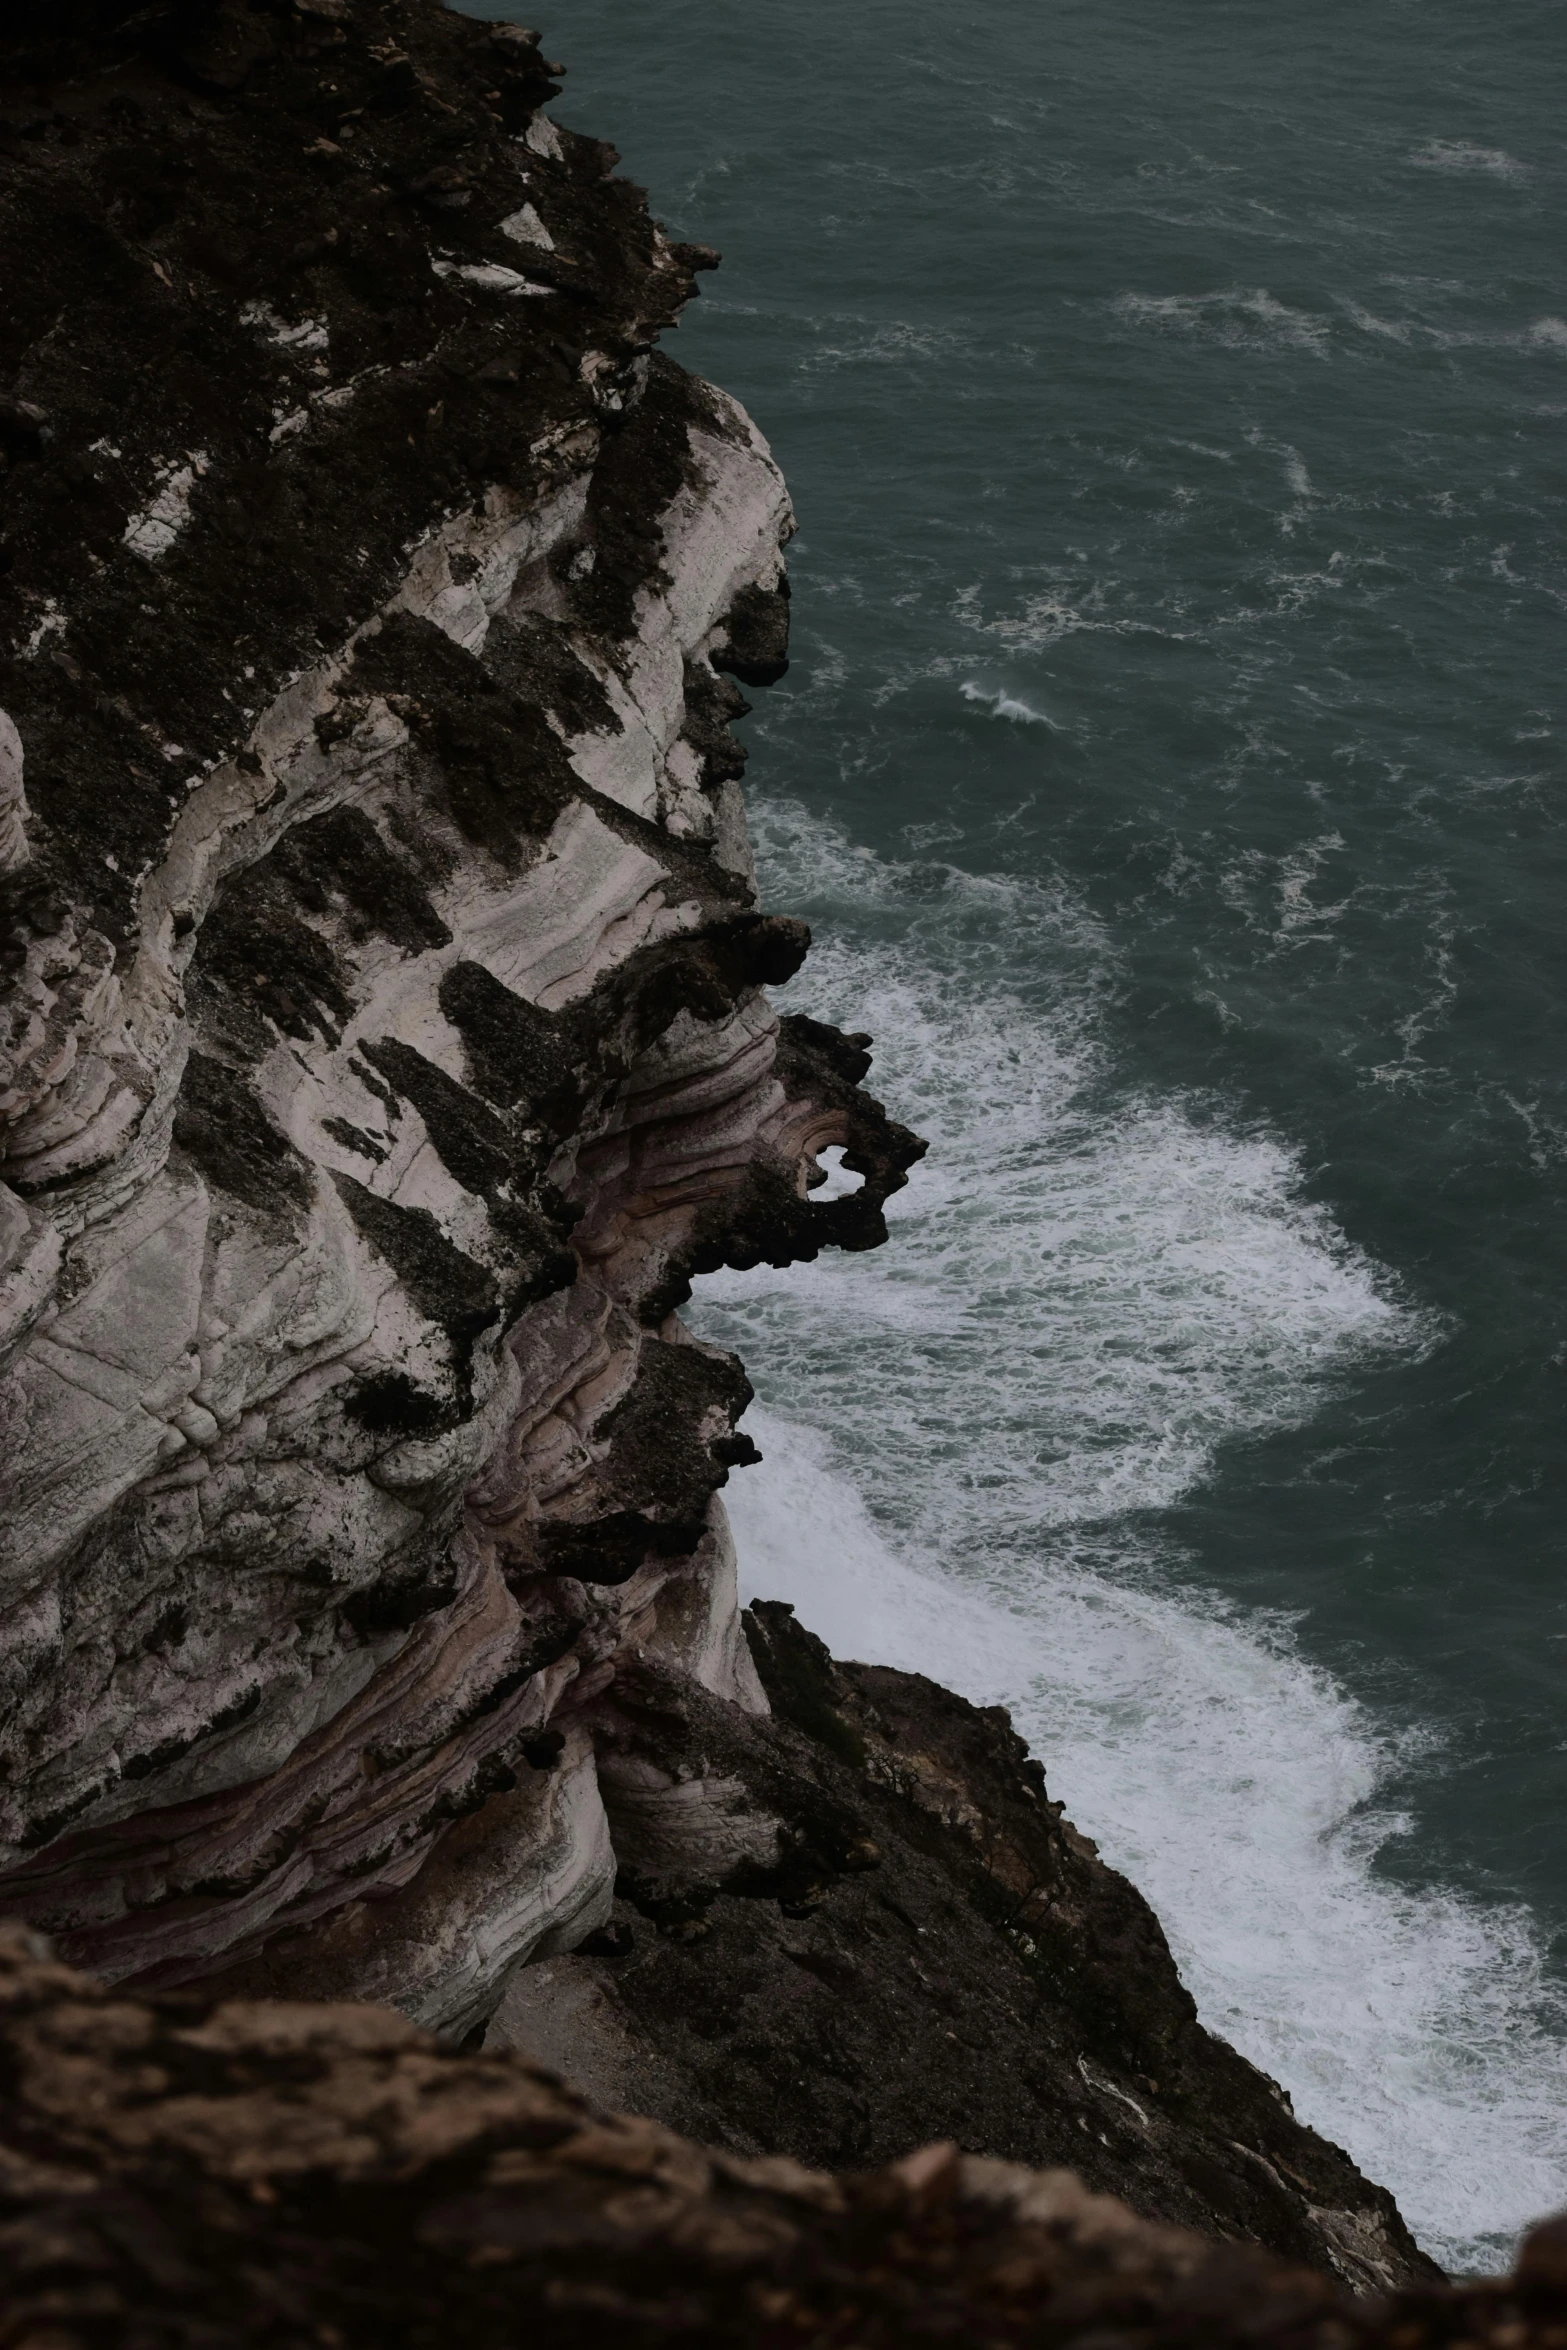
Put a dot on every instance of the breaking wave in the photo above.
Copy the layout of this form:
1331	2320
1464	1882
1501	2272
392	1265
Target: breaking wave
1001	704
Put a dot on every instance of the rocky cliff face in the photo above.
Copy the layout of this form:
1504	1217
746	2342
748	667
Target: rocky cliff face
383	1036
383	1046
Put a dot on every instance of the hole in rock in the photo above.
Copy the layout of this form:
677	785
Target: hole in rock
837	1180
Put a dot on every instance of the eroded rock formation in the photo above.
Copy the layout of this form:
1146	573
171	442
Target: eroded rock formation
924	1947
384	1042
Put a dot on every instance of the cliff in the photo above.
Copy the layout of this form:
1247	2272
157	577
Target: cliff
934	1952
384	1044
383	1047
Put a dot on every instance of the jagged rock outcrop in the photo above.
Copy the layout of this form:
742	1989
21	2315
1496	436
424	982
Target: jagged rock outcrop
382	1028
858	1923
180	2171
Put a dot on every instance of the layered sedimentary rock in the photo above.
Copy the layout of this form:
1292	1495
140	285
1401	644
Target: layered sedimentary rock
383	1048
384	1042
182	2170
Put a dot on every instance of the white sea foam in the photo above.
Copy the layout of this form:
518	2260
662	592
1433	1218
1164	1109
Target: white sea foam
1237	1788
1466	155
1541	334
1274	893
1392	330
1001	704
1241	317
860	342
1088	1292
838	1180
1091	1289
1052	613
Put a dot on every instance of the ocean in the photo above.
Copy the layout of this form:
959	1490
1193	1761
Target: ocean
1172	394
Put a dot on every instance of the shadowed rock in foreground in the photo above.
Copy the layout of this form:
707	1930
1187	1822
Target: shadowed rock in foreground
182	2172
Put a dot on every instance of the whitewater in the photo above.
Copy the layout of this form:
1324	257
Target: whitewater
1087	1294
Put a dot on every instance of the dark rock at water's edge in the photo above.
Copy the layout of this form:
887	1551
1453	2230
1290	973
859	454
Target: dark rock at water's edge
176	2171
935	1952
383	1049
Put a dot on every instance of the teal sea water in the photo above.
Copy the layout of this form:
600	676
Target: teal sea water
1173	397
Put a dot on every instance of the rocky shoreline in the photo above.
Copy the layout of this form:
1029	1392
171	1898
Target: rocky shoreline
384	1049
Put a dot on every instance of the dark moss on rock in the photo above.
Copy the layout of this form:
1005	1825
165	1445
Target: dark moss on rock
755	647
610	1549
475	1146
494	763
454	1291
340	858
712	706
518	1054
644	465
669	1439
534	656
262	969
549	1063
224	1129
172	178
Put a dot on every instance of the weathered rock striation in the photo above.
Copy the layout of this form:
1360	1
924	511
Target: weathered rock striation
383	1038
383	1048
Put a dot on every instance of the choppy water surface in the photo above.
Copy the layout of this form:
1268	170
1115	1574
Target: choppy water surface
1173	393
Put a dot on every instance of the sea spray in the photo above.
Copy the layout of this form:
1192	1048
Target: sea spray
1001	704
